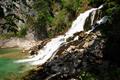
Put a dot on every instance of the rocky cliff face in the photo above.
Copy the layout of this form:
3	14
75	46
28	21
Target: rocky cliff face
13	15
92	55
72	58
85	56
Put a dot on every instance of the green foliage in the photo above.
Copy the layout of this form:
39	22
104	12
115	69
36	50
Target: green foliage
55	14
50	34
71	5
42	18
109	8
53	17
7	35
59	20
84	75
103	74
66	14
22	32
96	3
42	8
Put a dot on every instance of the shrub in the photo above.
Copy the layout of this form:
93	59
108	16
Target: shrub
22	32
7	35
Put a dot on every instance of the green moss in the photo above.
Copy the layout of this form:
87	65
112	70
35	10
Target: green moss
22	32
7	35
85	75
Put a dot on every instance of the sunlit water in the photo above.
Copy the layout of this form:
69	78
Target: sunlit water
7	66
50	49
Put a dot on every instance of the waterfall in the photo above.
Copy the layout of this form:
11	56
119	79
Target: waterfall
50	49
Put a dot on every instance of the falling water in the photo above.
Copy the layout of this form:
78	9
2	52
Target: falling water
50	49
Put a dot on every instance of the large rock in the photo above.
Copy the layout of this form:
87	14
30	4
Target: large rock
71	59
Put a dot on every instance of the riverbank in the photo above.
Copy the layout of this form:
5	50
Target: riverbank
21	43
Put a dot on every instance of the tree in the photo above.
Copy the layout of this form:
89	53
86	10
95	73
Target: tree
43	17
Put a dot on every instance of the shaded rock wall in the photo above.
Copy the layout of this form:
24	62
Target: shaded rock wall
67	64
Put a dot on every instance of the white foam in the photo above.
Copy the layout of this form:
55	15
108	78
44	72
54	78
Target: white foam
51	47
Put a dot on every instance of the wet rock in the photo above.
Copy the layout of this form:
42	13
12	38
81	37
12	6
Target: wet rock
80	34
83	54
32	52
38	45
69	39
74	57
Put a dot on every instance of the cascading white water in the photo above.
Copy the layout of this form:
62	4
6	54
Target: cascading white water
101	21
50	49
